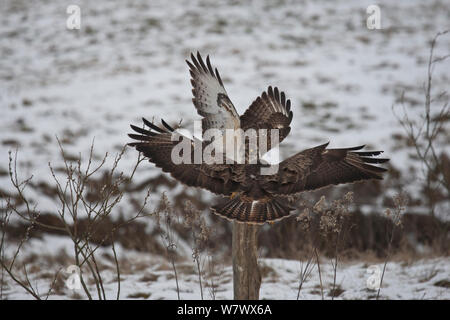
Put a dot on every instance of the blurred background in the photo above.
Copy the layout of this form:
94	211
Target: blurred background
127	61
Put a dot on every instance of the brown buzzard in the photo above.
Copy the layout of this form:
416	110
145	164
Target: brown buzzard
251	197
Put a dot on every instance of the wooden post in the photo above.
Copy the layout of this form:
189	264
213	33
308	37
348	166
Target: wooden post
246	275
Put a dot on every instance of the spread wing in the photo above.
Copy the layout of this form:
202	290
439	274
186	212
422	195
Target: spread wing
157	145
269	111
210	97
319	167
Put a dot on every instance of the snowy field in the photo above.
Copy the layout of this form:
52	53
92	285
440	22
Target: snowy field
128	61
146	276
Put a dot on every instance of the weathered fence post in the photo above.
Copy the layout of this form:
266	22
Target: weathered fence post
246	275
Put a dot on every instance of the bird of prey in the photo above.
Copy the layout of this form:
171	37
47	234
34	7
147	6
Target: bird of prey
251	197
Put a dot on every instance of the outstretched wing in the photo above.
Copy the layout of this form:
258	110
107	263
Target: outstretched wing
319	167
210	97
269	111
157	145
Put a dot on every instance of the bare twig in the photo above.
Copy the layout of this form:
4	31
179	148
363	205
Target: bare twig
320	273
424	136
72	192
167	236
395	221
305	273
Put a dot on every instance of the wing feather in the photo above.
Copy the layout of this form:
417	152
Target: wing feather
210	97
157	145
269	111
320	167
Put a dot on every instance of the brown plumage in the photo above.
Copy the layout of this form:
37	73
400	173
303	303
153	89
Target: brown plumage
250	196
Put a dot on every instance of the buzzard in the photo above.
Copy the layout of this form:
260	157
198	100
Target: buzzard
251	197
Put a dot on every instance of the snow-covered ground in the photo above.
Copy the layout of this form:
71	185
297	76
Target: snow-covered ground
127	61
145	276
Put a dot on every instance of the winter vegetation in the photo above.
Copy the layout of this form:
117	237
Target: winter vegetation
82	216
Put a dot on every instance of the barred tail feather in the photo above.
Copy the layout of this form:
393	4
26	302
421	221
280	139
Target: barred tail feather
252	211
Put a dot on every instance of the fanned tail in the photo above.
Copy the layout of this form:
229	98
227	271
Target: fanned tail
245	210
